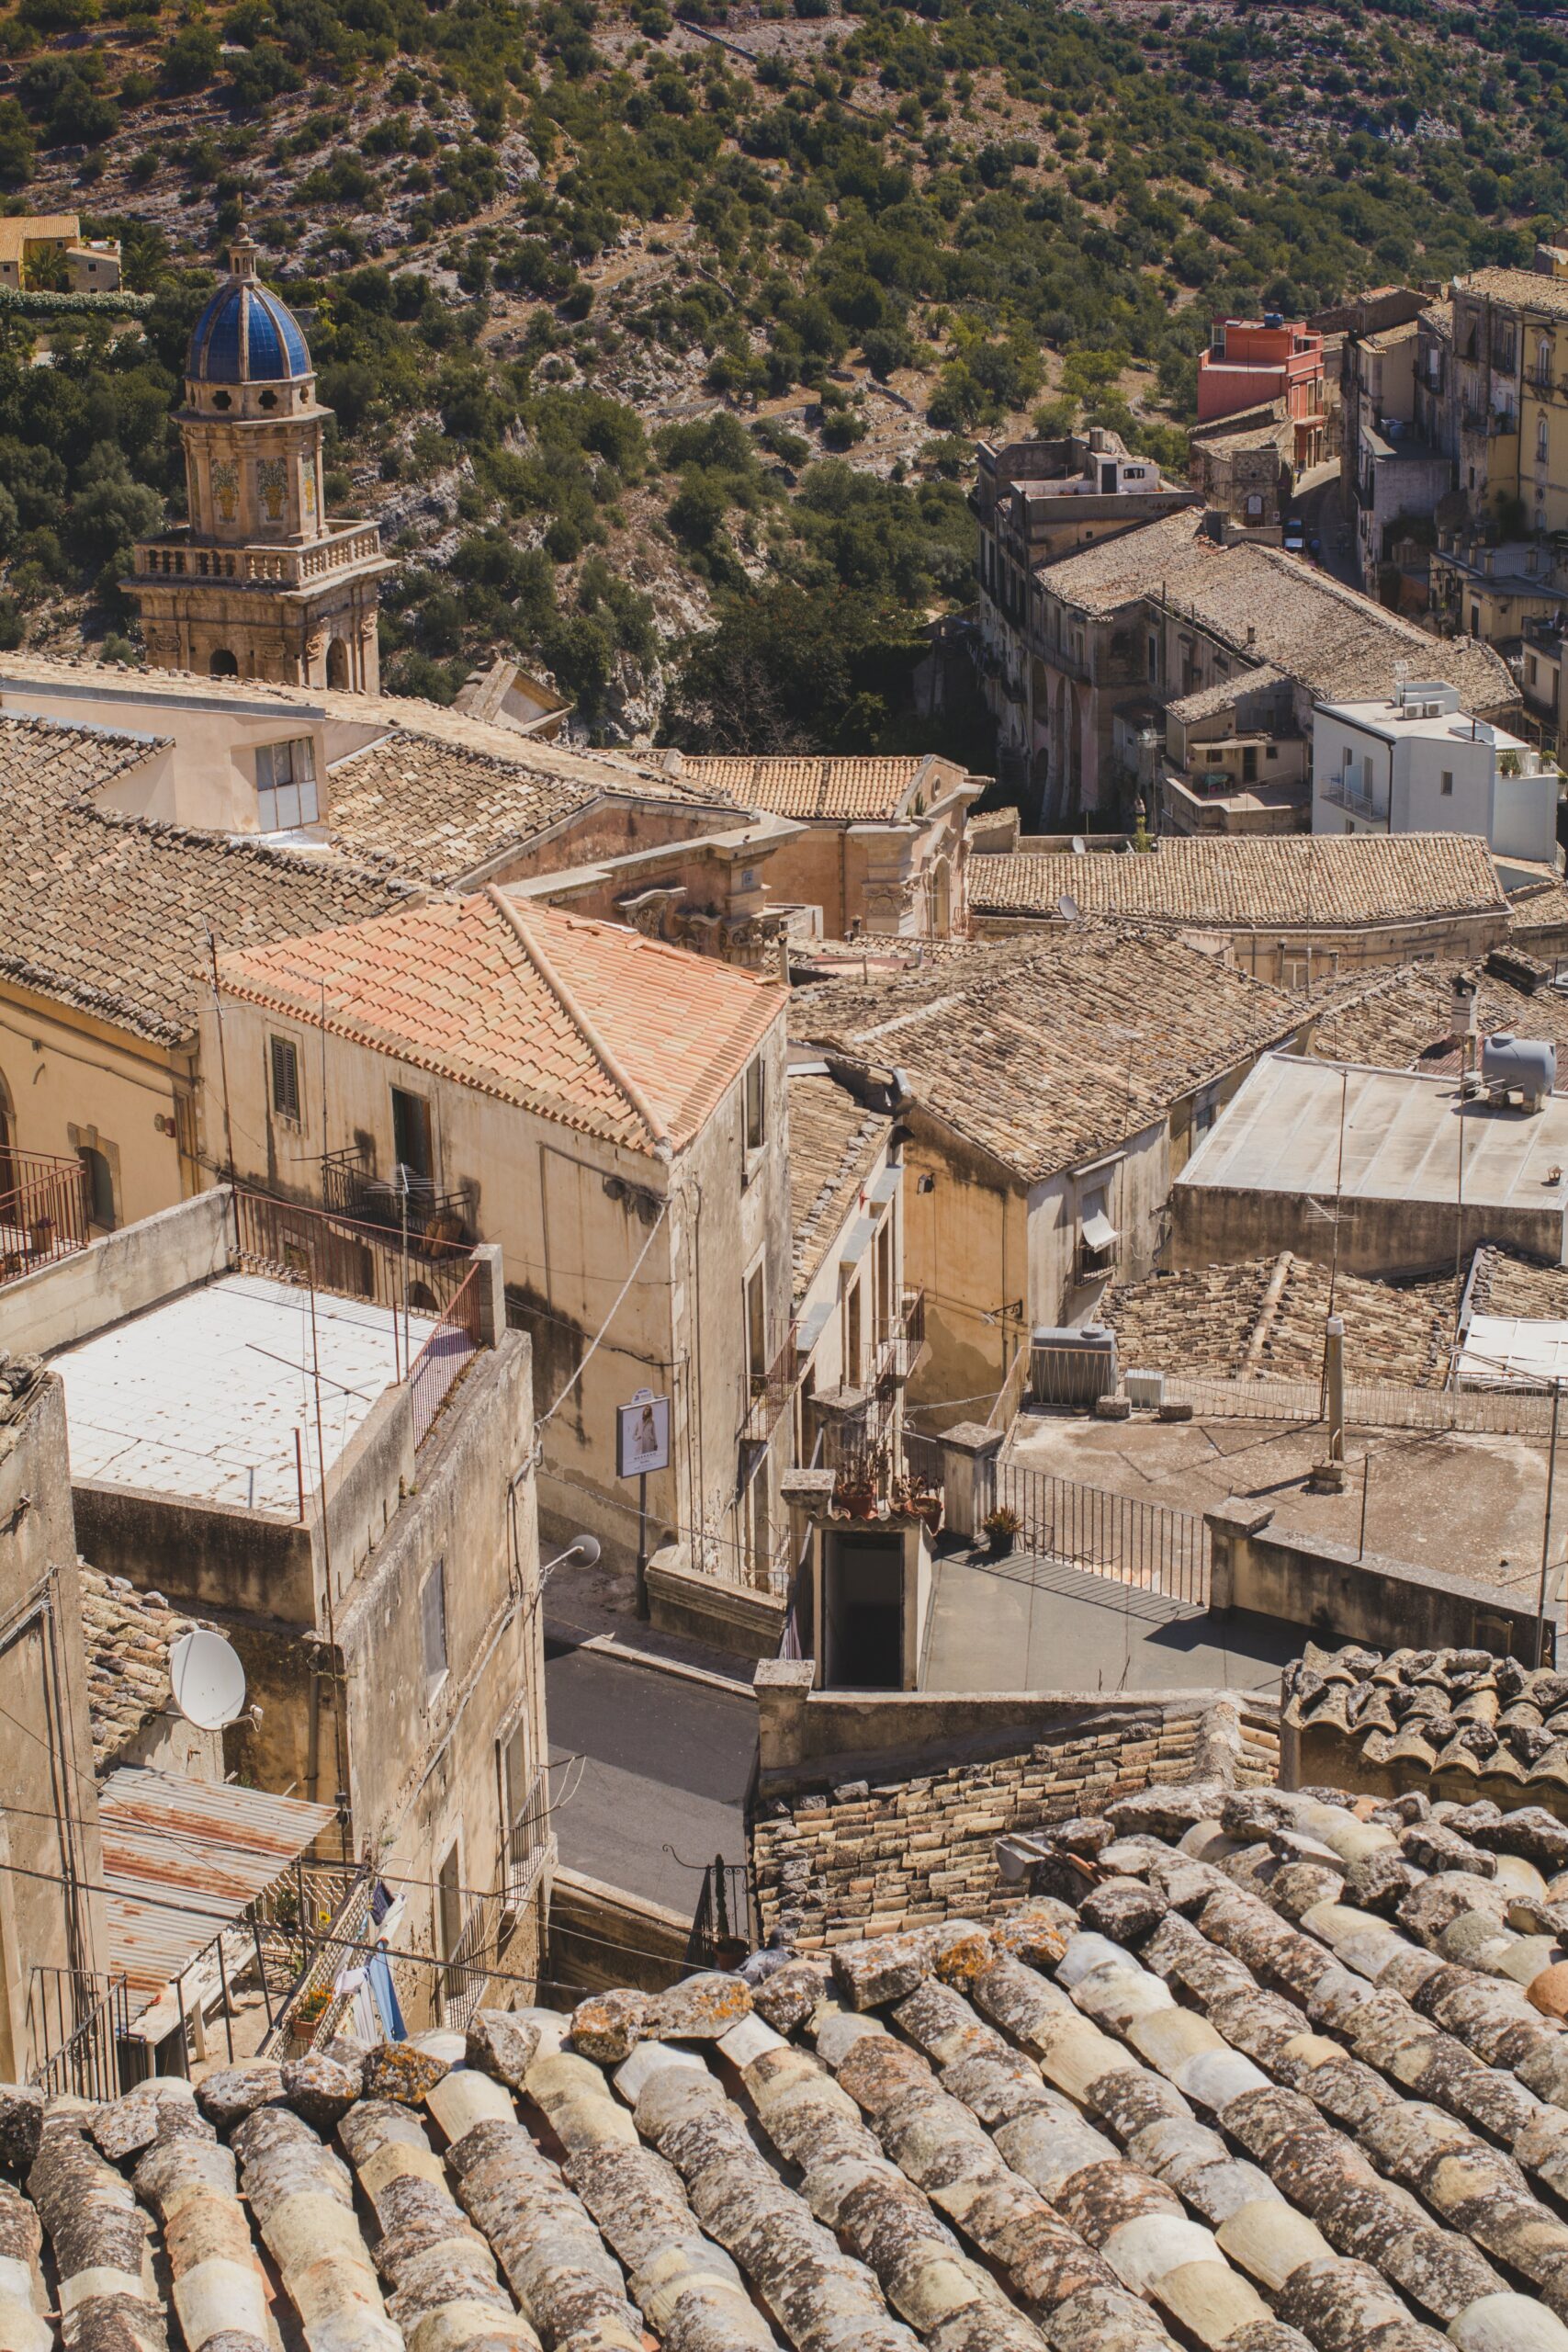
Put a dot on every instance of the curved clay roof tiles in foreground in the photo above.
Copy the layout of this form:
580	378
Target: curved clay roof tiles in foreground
1227	2089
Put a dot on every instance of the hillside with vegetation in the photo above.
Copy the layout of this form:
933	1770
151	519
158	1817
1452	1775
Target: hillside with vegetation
658	345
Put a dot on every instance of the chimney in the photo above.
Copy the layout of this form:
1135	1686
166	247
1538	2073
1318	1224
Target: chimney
1252	632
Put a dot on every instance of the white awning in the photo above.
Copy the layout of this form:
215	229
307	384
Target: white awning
1097	1232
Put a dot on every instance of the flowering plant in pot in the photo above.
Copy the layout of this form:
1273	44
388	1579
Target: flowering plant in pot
1001	1526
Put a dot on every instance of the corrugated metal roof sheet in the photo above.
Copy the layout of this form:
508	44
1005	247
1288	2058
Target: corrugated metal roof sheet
203	1846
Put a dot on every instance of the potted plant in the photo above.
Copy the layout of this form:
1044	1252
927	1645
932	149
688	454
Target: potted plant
854	1492
1001	1527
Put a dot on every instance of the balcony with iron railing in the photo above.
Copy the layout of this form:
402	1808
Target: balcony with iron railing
44	1211
772	1390
901	1339
436	1223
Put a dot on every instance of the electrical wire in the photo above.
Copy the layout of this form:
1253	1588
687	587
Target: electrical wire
542	1425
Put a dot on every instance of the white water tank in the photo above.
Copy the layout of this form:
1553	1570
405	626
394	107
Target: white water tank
1526	1065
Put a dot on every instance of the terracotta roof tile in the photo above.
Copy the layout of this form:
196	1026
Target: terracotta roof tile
450	987
1265	1316
1045	1050
862	791
834	1142
439	811
1401	1018
1542	907
1524	289
128	1637
1274	607
1245	2067
1329	880
111	913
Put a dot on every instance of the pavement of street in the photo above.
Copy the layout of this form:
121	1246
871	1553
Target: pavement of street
649	1772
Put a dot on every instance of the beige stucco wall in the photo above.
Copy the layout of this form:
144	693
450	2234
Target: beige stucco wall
48	1805
904	880
966	1243
67	1081
412	1797
572	1215
878	1276
205	775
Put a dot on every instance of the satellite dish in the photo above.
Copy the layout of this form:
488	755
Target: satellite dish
1068	907
1078	848
208	1681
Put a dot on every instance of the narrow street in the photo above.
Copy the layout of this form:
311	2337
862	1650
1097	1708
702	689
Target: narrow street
1320	503
649	1772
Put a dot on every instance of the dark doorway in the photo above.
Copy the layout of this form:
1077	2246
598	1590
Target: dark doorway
222	663
411	1135
863	1611
337	663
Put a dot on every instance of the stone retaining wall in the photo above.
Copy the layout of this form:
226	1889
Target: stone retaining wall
868	1857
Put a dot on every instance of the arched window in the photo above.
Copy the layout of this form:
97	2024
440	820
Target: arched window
222	663
100	1187
1544	362
1541	439
337	663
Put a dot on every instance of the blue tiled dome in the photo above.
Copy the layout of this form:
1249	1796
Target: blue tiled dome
247	335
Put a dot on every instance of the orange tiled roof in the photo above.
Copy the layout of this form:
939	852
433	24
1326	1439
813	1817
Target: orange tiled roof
859	791
451	987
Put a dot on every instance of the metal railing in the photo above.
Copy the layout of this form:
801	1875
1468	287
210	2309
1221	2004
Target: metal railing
79	2026
448	1352
1498	1411
469	1966
44	1210
528	1844
289	1242
900	1342
1341	794
436	1222
309	2010
772	1390
722	1922
1151	1546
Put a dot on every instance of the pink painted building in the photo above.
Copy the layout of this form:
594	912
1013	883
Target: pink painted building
1250	362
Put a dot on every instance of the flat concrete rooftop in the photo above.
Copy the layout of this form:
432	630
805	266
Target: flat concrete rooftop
1403	1134
201	1397
1030	1623
1468	1506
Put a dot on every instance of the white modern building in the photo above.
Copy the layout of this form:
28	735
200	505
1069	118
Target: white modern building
1419	764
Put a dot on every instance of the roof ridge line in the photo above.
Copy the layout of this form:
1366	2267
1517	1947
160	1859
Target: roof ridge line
607	1060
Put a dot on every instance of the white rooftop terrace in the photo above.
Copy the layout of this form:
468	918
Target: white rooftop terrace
204	1396
1403	1139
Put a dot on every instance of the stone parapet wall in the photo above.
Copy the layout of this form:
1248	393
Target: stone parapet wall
865	1856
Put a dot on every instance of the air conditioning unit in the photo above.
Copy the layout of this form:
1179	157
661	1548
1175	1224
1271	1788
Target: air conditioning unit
1071	1366
1144	1388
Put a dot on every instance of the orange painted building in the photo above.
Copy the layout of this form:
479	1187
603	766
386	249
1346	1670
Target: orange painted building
1249	362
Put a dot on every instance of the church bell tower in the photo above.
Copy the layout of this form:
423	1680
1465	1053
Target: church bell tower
261	583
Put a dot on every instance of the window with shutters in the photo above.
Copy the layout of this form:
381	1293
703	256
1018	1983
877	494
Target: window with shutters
433	1605
285	1098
